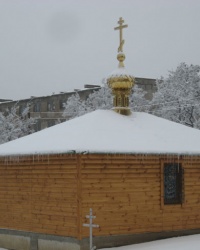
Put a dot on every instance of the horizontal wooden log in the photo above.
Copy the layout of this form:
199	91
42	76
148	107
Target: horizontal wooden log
121	171
120	175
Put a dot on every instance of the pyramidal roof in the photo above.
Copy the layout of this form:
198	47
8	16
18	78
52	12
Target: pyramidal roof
105	131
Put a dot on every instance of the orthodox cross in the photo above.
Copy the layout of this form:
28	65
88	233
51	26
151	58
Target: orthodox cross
90	225
120	28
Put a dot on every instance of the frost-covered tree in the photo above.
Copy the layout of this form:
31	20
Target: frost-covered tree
74	107
13	126
101	99
138	102
178	96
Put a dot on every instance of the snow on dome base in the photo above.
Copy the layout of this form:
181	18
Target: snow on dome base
119	72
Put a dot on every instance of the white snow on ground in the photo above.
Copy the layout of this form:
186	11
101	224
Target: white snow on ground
178	243
104	131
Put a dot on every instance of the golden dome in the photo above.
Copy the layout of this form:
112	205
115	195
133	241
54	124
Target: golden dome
119	80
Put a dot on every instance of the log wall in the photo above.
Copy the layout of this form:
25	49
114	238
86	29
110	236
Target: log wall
39	194
125	193
53	194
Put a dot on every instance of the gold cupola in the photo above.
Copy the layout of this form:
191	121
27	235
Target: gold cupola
119	80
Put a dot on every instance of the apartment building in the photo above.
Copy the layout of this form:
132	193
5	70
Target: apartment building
48	110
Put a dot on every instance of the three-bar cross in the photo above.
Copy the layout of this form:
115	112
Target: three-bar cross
90	225
120	28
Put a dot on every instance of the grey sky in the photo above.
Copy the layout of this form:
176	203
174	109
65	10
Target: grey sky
58	45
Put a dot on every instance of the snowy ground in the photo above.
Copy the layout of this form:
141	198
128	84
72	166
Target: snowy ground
183	243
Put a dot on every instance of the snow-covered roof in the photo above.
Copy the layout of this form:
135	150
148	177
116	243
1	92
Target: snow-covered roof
104	131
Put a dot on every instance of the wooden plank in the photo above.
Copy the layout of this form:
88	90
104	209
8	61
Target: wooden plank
135	171
162	185
120	175
122	165
115	185
79	197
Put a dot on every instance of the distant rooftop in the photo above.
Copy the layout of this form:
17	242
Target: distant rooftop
5	100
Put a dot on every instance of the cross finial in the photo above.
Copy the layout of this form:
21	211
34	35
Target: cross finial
120	28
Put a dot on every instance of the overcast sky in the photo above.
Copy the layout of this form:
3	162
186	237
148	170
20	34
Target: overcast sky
52	46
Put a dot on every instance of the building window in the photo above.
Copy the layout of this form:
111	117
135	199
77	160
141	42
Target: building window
21	109
36	107
61	104
173	183
51	106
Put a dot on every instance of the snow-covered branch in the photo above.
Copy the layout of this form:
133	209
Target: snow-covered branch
13	126
177	98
